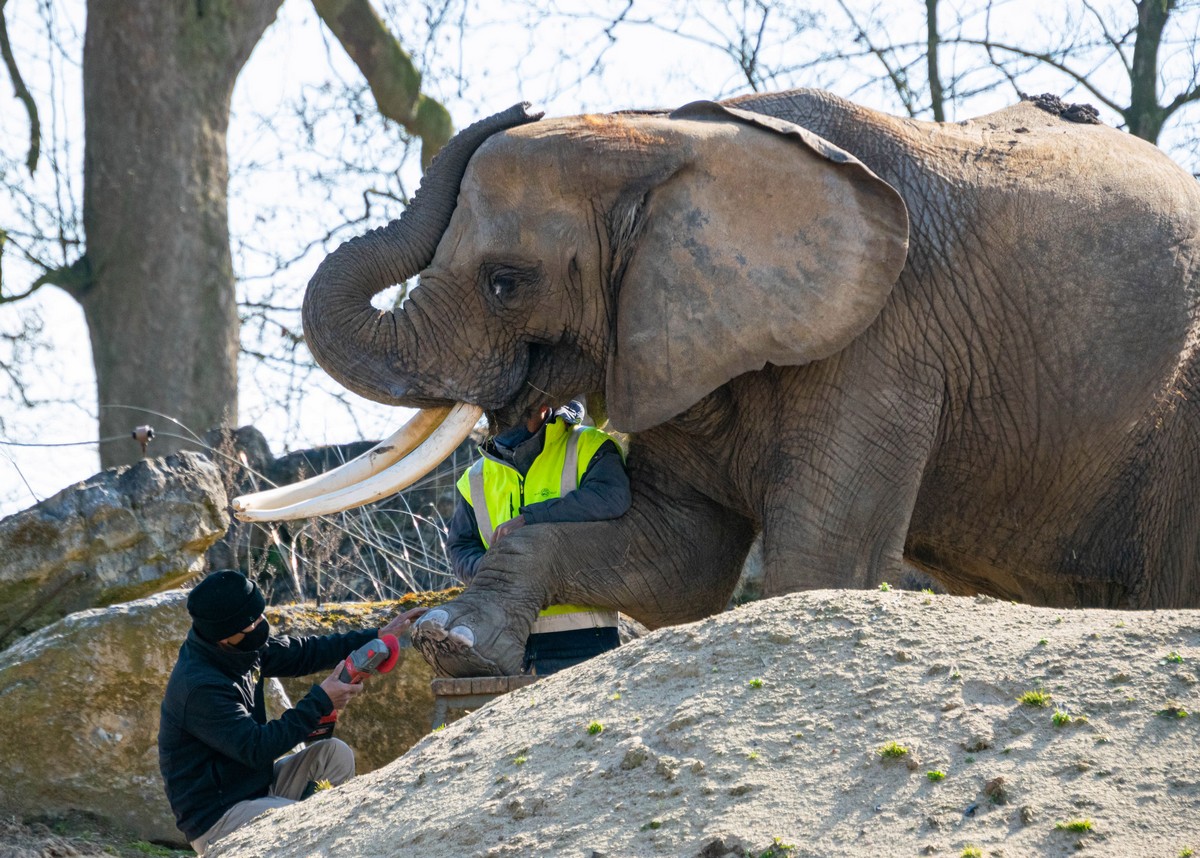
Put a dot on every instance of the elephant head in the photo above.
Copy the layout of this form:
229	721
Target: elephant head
645	258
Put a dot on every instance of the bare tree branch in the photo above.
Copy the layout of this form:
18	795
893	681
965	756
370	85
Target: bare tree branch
389	70
1050	60
896	76
73	279
1117	43
10	62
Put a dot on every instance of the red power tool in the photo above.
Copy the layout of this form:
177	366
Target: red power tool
377	656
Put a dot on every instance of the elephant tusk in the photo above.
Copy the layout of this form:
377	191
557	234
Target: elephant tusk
382	455
385	469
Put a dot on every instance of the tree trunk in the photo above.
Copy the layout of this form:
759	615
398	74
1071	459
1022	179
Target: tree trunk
160	304
932	38
1145	116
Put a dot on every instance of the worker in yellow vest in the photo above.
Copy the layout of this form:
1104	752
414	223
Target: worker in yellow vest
549	468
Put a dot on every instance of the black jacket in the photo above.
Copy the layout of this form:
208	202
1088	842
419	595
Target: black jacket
215	745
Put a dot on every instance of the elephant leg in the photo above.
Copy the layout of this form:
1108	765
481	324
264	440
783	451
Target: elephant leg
838	514
674	557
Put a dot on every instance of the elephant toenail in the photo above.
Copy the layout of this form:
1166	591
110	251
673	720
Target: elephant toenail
436	618
464	634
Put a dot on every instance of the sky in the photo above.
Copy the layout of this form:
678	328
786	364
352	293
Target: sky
272	214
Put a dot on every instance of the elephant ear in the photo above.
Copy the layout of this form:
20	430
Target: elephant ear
767	244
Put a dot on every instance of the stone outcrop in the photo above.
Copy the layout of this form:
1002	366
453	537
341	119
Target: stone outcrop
124	533
81	707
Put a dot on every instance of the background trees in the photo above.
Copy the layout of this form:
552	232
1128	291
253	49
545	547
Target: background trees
329	112
152	267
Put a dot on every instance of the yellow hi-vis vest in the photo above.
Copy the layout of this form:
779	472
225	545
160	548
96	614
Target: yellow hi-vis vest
566	454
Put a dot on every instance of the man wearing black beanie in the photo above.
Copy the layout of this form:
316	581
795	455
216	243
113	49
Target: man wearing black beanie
218	753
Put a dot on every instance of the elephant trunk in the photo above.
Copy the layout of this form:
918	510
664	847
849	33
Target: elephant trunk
355	343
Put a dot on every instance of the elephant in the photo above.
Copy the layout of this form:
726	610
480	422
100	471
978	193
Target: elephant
864	339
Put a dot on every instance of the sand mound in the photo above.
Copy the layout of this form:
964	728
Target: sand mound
766	731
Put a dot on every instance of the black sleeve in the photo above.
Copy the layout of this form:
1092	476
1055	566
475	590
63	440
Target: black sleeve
603	493
217	717
289	656
463	543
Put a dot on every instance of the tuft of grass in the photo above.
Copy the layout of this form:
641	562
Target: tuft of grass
935	775
521	760
595	728
892	751
323	785
652	825
1186	852
972	852
1060	718
1043	642
885	587
1173	658
1077	826
1035	698
1172	712
755	683
616	695
777	849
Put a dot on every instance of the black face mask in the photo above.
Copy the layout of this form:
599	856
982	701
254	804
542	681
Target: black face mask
254	638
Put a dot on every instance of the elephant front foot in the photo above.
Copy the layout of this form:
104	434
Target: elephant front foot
459	640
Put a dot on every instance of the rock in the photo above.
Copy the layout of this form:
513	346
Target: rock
996	790
119	535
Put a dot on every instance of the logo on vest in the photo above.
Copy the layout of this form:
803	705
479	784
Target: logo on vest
542	494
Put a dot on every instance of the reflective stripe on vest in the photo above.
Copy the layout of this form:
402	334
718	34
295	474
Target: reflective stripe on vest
482	519
473	486
569	618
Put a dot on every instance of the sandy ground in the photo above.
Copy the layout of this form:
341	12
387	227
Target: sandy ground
764	731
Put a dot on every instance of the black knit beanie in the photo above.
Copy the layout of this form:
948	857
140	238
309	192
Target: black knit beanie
223	604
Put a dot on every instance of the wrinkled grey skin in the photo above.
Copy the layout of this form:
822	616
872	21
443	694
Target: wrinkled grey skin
976	353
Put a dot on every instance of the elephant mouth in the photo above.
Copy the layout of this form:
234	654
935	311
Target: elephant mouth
390	466
553	374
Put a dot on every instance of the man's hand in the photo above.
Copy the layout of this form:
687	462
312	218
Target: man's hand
340	692
401	624
507	528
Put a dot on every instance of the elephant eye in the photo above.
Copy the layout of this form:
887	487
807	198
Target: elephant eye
502	282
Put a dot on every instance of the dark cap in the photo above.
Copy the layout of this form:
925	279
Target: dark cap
223	604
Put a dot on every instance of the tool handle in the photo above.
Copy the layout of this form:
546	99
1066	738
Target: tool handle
324	728
349	675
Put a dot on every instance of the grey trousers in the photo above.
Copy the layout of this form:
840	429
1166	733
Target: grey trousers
330	759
